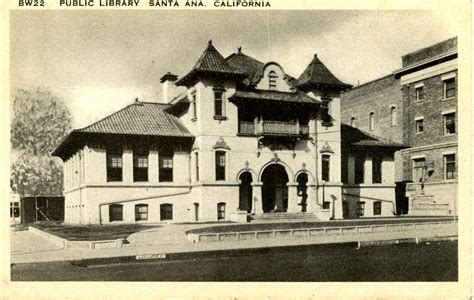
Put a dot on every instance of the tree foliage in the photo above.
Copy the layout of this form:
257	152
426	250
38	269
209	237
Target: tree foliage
39	121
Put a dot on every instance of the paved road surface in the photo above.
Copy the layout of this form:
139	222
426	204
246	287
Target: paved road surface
405	262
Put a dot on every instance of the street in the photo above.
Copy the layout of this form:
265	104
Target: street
436	261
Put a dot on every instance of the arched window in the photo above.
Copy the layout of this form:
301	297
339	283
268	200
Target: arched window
166	212
220	211
272	80
141	212
371	121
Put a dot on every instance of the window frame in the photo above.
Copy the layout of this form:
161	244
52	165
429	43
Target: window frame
139	214
419	121
361	159
166	215
140	173
377	208
353	122
372	121
393	116
445	87
221	206
220	171
115	216
445	129
165	174
360	208
445	166
379	160
419	93
193	107
422	167
222	101
114	174
326	167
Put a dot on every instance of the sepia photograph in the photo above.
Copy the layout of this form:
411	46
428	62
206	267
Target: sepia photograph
250	145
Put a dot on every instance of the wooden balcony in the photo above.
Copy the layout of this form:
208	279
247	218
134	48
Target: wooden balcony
273	128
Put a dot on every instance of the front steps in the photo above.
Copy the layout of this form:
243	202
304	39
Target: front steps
426	205
303	216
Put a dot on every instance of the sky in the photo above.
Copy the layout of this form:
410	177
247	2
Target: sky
101	60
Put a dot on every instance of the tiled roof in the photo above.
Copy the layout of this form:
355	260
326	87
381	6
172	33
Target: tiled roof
295	97
317	74
252	68
357	137
211	61
140	118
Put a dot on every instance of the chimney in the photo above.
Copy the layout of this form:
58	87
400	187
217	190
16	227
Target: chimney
168	86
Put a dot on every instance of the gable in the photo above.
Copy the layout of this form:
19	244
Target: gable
273	78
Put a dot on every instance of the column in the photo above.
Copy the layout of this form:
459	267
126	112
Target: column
293	198
257	207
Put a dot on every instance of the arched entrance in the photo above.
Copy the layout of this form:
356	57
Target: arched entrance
245	191
302	180
274	189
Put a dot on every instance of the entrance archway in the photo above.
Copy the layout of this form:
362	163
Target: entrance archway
274	189
245	192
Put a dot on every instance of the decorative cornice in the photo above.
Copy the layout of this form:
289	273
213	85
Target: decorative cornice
221	144
326	148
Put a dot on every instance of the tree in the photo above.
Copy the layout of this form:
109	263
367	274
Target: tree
39	121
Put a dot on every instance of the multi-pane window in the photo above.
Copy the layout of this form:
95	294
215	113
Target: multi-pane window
218	103
197	165
377	208
449	88
115	212
393	116
166	212
14	209
140	166
371	121
141	212
114	165
272	80
419	126
165	167
420	93
359	169
377	169
449	166
360	208
325	164
193	106
419	167
220	211
220	165
449	123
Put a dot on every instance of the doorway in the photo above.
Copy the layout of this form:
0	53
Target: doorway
245	192
274	189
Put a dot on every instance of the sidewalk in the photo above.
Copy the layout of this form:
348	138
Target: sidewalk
171	239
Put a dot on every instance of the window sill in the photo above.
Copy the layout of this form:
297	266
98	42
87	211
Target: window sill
419	132
220	118
450	98
448	135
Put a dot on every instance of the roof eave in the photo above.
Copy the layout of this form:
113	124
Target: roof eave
424	64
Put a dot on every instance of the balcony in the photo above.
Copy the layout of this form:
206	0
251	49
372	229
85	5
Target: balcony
273	128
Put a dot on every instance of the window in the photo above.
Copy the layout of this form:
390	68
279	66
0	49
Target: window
272	80
220	165
419	167
325	164
193	107
326	205
449	123
140	166
220	211
393	116
419	126
115	212
377	208
345	209
449	166
166	212
166	167
449	88
359	169
197	165
360	209
420	93
353	122
141	212
377	169
14	209
371	121
219	103
114	165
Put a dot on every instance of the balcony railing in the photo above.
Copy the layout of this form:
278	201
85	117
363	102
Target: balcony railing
265	127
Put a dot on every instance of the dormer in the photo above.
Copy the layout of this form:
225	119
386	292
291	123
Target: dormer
273	78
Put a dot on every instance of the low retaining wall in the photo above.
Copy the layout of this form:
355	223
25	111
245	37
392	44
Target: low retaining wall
67	244
317	231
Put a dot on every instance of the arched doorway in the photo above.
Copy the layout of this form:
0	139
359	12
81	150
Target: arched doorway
245	191
274	189
302	180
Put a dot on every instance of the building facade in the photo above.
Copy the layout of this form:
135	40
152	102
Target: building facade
415	106
244	139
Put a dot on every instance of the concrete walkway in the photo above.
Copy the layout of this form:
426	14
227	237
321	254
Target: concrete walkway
28	242
171	239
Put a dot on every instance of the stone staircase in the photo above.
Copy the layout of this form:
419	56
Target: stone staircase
284	216
426	205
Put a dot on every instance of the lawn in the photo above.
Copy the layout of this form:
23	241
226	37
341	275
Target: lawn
91	232
296	225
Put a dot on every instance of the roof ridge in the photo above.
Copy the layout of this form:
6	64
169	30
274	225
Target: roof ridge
105	118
